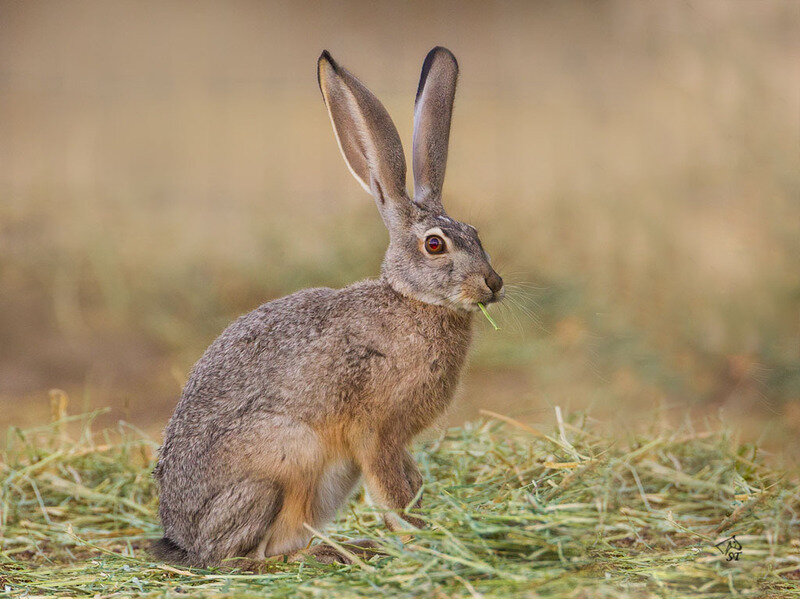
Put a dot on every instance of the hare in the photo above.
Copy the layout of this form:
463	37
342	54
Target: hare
296	401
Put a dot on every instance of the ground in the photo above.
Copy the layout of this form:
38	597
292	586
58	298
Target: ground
511	511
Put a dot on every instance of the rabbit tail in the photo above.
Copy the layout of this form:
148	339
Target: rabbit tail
170	552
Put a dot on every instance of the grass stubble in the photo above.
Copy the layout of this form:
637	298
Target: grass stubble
511	511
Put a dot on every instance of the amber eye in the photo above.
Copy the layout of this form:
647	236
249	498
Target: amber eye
434	244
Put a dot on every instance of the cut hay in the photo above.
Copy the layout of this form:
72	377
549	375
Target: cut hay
512	511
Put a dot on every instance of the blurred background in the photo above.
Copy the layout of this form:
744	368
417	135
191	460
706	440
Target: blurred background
634	169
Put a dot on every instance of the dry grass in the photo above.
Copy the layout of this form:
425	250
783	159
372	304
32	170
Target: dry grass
512	511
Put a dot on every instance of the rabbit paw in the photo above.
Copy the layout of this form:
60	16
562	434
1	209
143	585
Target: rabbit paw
328	555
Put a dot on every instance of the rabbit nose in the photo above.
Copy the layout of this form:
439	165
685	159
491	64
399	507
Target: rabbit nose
494	282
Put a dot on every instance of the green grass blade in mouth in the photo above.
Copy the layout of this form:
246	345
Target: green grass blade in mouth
488	316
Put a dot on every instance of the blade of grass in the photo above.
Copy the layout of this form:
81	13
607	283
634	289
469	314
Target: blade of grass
488	316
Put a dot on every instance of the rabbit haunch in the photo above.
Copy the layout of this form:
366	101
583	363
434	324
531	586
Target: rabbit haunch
298	400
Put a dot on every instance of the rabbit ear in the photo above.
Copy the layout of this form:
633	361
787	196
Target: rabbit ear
432	111
367	138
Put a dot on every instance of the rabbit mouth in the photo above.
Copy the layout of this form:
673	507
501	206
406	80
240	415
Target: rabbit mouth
474	293
492	299
472	302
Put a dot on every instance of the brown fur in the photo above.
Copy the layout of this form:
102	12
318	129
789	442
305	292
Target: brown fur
298	399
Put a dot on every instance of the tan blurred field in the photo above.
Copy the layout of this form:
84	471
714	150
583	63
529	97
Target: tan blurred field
634	167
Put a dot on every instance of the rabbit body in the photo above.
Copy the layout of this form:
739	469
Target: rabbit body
291	404
299	399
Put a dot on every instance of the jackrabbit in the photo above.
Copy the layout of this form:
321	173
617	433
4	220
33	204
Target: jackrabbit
297	400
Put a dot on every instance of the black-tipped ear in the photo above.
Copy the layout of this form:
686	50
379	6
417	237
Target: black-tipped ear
433	111
366	135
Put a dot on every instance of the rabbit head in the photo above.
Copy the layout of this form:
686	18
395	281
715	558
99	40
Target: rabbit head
431	257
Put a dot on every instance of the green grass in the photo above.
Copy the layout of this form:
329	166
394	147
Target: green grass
488	316
512	512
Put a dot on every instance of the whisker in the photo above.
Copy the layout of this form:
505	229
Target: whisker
507	310
520	307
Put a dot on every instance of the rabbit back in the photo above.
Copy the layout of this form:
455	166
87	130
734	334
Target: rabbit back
324	354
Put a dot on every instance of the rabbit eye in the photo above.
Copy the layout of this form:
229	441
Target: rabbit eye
434	244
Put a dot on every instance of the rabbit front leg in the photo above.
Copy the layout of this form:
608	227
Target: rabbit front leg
413	476
392	480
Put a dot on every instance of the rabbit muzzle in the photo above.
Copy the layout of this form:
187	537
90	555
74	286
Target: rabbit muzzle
495	284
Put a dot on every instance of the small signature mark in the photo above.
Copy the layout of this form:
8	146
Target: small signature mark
731	548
